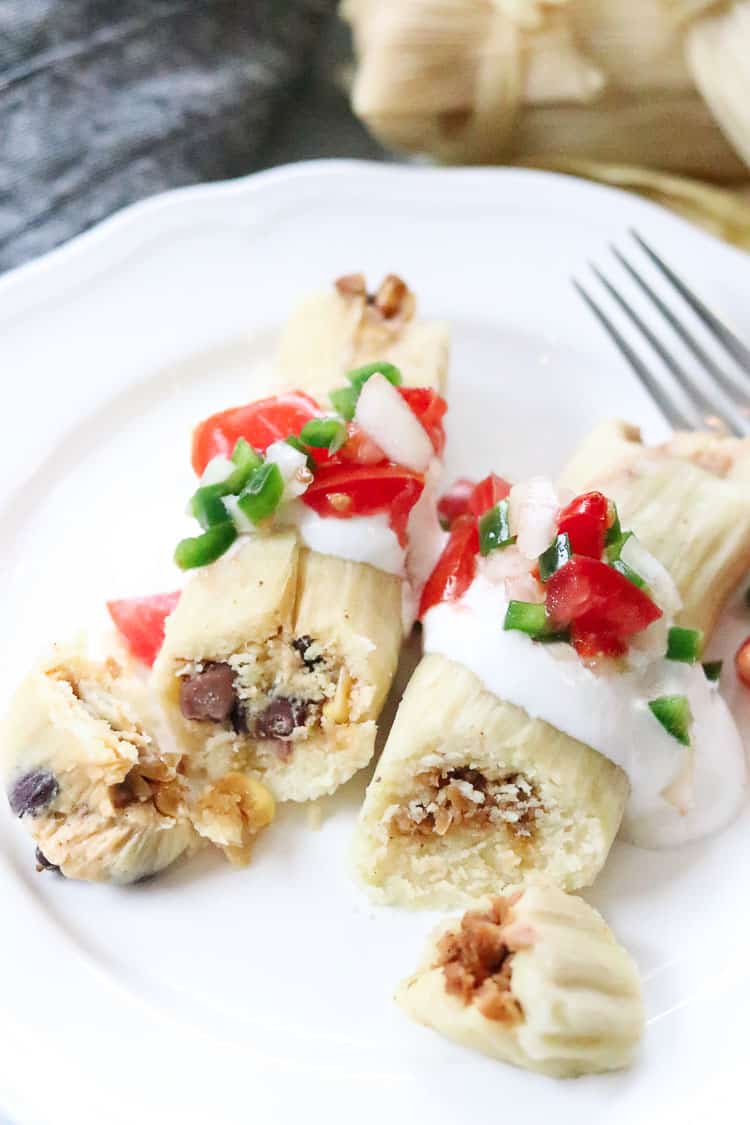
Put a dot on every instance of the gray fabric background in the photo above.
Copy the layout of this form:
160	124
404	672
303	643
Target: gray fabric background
104	102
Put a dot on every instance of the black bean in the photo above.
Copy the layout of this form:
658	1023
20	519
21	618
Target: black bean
302	644
238	718
33	792
208	695
280	718
42	863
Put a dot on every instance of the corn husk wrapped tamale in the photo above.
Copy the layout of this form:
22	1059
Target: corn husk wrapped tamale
283	658
344	327
687	501
472	794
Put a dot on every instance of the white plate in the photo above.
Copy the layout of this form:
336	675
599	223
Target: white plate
227	996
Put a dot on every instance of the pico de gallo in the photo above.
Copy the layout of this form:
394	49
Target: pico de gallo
581	589
367	456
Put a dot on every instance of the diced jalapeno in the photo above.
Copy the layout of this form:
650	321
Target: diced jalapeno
527	617
614	531
359	376
555	557
712	669
205	548
324	433
207	505
685	645
615	545
344	401
674	714
262	494
247	461
494	529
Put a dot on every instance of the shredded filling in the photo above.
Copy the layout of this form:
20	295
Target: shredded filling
280	690
466	797
478	965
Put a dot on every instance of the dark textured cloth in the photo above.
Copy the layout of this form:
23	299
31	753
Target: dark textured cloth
104	102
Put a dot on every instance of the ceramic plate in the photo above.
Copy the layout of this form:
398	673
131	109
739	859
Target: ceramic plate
217	995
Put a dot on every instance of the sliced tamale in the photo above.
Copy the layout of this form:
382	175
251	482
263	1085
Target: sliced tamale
687	501
276	664
471	794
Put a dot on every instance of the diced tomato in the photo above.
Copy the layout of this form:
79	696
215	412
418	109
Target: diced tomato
455	502
742	663
359	449
260	423
346	490
585	520
141	622
455	568
600	605
488	493
429	408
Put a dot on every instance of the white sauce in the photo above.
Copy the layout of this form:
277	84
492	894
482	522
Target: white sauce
607	710
363	539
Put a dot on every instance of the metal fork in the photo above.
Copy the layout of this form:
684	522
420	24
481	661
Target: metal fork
728	407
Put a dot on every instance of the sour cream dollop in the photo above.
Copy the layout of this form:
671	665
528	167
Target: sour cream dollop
677	794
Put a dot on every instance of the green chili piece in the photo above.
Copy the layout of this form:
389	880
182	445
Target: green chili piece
207	505
684	645
527	617
555	557
262	494
359	376
494	528
205	548
344	401
614	531
324	433
712	669
247	461
674	714
615	546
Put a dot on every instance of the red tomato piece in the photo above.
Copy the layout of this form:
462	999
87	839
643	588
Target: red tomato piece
455	568
585	520
589	645
742	663
488	493
455	502
348	490
260	423
429	408
598	602
359	449
141	622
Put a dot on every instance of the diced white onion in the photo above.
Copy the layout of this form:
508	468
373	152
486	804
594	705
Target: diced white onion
217	470
387	419
534	507
239	519
292	466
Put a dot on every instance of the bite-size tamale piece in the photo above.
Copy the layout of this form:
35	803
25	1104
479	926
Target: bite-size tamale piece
276	664
85	773
687	500
344	327
471	794
534	978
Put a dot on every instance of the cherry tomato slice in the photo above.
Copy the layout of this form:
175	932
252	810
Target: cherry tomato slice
598	601
347	490
429	408
456	566
455	502
260	423
359	449
141	622
585	520
488	493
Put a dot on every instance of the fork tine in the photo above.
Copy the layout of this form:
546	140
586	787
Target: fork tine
730	341
671	412
727	385
704	405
